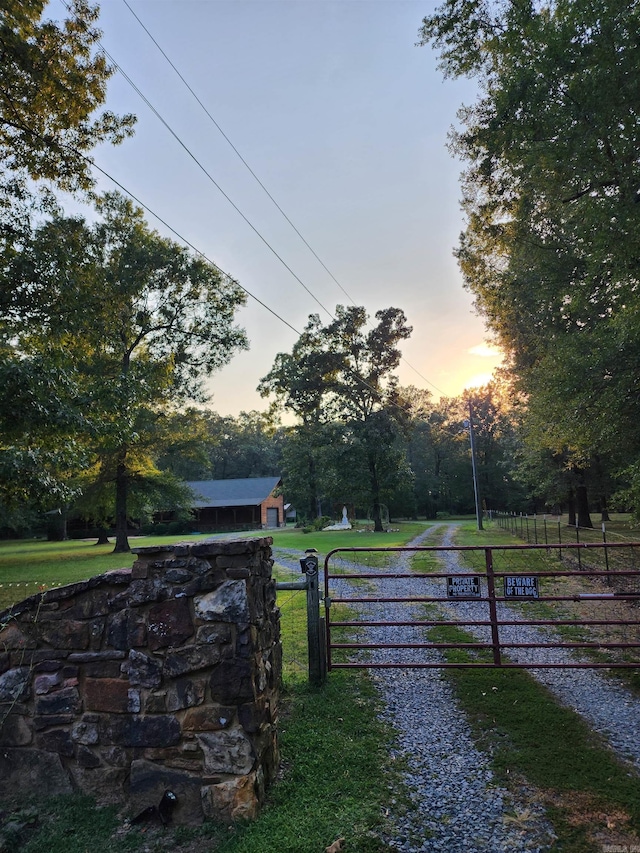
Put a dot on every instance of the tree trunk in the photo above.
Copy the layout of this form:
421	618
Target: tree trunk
582	502
572	508
604	509
103	537
122	542
314	509
375	494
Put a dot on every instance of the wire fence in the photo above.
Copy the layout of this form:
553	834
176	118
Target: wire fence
293	619
14	591
292	605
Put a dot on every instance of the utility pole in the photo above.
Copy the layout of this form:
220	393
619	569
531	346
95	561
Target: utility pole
474	469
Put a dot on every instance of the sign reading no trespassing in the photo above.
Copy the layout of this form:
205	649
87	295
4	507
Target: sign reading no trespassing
520	586
463	587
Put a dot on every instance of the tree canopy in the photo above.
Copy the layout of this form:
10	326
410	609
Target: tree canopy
343	372
53	82
551	248
136	320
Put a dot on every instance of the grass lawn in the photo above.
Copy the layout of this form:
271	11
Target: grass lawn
26	566
336	778
591	798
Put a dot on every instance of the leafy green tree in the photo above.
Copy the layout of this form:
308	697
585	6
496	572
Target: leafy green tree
298	382
440	460
363	392
309	468
203	445
552	242
52	87
39	446
141	322
344	373
53	81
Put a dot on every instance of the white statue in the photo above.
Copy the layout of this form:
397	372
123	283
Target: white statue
343	524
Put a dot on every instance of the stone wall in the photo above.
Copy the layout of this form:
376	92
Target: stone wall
160	677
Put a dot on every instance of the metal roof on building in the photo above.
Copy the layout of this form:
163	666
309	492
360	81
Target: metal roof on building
246	492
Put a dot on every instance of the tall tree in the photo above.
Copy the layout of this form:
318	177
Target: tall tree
298	382
53	81
202	445
344	372
551	249
139	319
52	86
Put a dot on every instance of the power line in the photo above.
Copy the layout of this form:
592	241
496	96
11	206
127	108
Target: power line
205	171
156	112
188	243
211	178
237	152
251	171
199	252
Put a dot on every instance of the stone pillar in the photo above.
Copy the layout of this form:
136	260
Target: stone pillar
160	677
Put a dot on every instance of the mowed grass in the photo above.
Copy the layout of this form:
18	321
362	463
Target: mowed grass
592	798
335	783
336	779
325	541
28	566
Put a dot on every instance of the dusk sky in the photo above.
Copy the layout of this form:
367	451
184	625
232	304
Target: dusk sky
345	122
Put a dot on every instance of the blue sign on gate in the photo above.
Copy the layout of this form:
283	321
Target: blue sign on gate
521	586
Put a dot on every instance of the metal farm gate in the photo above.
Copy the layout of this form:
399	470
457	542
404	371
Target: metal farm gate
502	606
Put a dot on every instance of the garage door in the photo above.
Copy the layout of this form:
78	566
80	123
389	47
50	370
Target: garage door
272	516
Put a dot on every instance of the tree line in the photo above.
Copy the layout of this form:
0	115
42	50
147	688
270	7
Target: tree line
551	244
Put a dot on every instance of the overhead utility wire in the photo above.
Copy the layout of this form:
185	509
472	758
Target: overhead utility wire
228	140
215	183
180	236
188	243
199	252
257	179
210	176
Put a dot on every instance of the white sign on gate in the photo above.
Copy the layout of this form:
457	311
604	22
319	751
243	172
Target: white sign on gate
459	586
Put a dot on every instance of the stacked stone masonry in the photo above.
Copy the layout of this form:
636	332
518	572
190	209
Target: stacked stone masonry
160	677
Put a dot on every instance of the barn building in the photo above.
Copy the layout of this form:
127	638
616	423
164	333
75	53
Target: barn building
242	504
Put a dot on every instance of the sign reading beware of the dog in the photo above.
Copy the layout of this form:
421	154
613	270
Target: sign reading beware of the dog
521	586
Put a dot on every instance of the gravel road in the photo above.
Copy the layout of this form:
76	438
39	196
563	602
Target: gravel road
456	804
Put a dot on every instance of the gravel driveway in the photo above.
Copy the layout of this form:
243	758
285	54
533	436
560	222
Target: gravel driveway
456	804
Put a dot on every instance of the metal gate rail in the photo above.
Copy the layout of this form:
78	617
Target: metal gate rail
481	587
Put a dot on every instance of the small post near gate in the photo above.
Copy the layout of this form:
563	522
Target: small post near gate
316	644
317	669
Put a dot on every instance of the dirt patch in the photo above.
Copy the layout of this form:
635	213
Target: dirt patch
603	824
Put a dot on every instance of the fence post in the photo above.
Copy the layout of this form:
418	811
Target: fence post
606	552
577	543
317	659
493	611
559	542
